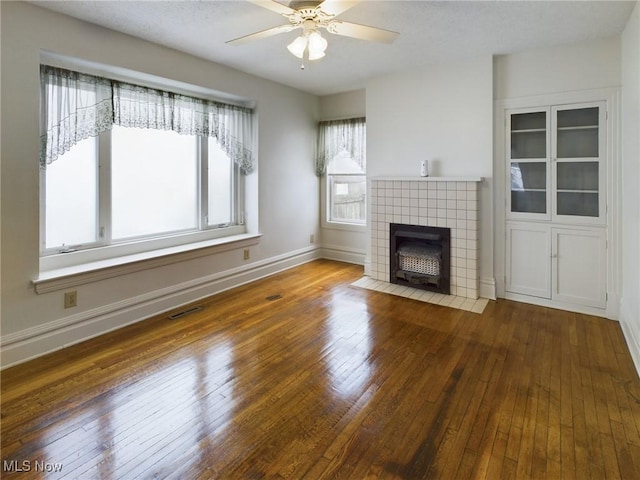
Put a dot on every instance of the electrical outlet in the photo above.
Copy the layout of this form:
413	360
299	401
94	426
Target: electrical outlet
70	299
312	238
247	254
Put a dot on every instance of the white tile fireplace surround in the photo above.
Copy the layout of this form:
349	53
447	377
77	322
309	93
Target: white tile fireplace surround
449	202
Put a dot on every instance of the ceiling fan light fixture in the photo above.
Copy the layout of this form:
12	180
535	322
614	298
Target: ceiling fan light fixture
311	15
317	45
316	55
298	46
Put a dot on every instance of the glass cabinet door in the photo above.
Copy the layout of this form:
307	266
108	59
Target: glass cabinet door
528	147
578	170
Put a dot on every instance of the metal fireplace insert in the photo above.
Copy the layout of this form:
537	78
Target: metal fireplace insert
420	257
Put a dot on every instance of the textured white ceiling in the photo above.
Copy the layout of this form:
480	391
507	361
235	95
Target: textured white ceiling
431	32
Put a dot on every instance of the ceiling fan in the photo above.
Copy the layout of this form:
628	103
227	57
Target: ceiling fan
310	16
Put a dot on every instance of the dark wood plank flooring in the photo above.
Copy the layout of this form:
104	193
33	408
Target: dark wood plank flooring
303	376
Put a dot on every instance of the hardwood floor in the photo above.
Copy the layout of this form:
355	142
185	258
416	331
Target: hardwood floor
302	375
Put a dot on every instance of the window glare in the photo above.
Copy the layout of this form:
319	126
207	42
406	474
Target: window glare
154	182
220	178
71	203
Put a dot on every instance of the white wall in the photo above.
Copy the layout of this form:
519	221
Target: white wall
287	186
630	304
568	68
342	243
343	105
443	114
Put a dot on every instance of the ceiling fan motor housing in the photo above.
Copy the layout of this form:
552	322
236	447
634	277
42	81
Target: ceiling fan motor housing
304	4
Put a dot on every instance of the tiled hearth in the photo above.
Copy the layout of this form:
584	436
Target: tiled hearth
431	201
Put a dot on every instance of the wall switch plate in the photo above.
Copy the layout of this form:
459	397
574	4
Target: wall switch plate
312	238
70	299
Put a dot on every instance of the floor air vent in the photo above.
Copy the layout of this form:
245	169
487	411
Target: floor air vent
273	297
184	313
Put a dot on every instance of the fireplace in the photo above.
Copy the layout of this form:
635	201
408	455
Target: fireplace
442	202
420	257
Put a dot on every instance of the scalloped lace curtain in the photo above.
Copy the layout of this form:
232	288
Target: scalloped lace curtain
76	106
335	136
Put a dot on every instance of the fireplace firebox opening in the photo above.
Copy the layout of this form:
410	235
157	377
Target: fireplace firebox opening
420	257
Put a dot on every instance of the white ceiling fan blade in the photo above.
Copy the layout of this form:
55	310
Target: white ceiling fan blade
362	32
273	6
336	7
262	34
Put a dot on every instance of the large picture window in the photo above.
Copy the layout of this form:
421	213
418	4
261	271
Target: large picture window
143	169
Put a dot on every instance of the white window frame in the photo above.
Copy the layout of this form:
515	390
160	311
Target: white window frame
326	209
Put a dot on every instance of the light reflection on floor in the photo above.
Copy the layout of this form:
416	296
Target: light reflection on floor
160	411
349	340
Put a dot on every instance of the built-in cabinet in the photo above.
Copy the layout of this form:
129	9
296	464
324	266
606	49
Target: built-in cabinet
562	264
556	203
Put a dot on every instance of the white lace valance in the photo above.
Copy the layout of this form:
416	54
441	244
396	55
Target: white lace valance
335	136
76	106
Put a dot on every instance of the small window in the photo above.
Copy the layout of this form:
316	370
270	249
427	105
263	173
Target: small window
347	190
342	159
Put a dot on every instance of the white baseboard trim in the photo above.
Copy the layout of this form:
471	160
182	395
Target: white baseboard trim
343	254
633	343
629	317
488	288
367	266
34	342
569	307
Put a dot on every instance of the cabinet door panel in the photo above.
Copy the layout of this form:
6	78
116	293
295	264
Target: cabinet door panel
536	119
528	264
528	148
529	202
578	167
578	143
528	176
578	176
583	204
528	145
579	266
575	117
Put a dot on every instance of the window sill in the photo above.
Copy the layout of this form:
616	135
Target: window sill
349	227
67	277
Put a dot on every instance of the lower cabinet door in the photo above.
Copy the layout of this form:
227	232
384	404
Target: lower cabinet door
528	262
579	267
